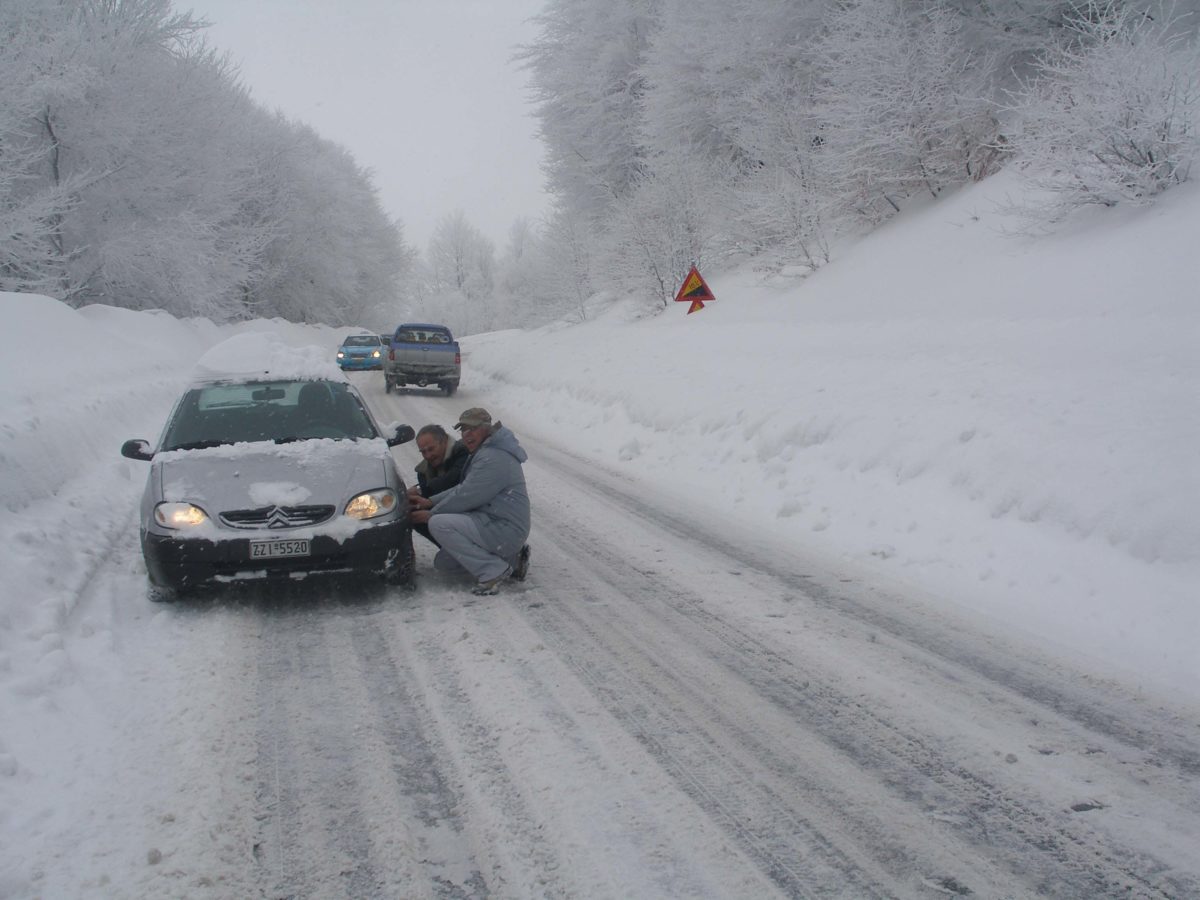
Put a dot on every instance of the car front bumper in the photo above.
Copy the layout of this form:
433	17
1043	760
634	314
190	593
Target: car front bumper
184	563
364	362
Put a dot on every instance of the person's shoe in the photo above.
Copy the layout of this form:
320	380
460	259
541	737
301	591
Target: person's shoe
522	567
488	588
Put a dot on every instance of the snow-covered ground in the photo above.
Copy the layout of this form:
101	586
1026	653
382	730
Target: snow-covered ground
1008	424
1003	426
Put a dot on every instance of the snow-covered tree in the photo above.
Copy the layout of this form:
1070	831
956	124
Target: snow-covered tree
903	102
671	221
463	262
586	73
335	255
565	271
135	171
1113	115
516	275
39	69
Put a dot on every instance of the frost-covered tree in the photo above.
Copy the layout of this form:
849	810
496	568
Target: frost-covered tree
769	128
568	272
1113	115
516	275
461	257
135	171
40	69
462	263
160	222
785	206
903	102
671	221
730	80
586	74
334	255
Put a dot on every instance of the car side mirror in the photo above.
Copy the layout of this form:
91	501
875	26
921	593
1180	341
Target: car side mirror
404	434
138	449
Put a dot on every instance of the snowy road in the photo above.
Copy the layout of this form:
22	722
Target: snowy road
664	709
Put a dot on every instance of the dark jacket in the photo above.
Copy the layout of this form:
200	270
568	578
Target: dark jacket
447	475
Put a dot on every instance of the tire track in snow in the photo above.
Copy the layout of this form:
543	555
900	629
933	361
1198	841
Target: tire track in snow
525	727
355	796
998	834
313	841
1168	736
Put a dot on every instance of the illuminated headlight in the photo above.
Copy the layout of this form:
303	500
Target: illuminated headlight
372	504
376	354
179	515
341	355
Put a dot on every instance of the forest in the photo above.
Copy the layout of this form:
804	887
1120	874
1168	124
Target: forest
136	170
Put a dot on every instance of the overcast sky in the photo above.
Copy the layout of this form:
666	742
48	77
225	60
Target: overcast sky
422	92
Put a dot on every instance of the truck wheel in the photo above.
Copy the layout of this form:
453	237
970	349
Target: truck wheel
387	385
449	387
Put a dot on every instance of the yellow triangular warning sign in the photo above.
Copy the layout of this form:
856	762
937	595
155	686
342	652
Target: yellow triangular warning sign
695	290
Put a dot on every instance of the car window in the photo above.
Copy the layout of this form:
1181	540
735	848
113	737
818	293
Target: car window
422	337
361	340
279	411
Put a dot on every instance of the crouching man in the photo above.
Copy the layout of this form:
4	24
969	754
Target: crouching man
482	523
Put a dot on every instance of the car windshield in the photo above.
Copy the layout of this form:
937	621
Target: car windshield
361	340
279	411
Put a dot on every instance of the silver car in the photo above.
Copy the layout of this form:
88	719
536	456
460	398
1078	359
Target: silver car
272	477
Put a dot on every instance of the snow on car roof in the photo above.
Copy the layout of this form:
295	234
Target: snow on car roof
259	354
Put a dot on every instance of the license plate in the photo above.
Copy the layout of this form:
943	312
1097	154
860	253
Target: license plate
276	549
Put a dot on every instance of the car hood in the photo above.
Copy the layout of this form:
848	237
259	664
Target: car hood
253	476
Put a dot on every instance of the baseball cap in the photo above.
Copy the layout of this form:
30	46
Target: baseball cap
473	418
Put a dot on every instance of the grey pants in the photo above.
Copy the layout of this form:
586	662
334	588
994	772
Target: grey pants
462	549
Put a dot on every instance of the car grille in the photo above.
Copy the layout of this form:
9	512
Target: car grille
277	516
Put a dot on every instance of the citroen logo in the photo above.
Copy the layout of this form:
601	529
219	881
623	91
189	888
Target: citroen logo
278	519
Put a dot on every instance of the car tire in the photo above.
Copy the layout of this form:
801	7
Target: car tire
158	593
387	385
449	387
404	575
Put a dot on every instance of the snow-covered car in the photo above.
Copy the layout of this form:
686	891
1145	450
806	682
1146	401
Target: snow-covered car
361	351
276	471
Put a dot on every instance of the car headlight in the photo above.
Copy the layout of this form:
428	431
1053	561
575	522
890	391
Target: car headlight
340	354
372	504
179	515
376	354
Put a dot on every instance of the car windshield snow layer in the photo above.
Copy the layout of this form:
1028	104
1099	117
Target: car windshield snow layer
281	411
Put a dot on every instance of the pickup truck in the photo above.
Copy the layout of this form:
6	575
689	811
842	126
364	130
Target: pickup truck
422	354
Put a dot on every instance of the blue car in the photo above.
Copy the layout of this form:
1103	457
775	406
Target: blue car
361	351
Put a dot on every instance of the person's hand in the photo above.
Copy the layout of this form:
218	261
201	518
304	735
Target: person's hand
419	516
416	501
414	491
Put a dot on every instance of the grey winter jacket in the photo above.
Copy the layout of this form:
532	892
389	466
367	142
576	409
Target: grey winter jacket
492	492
